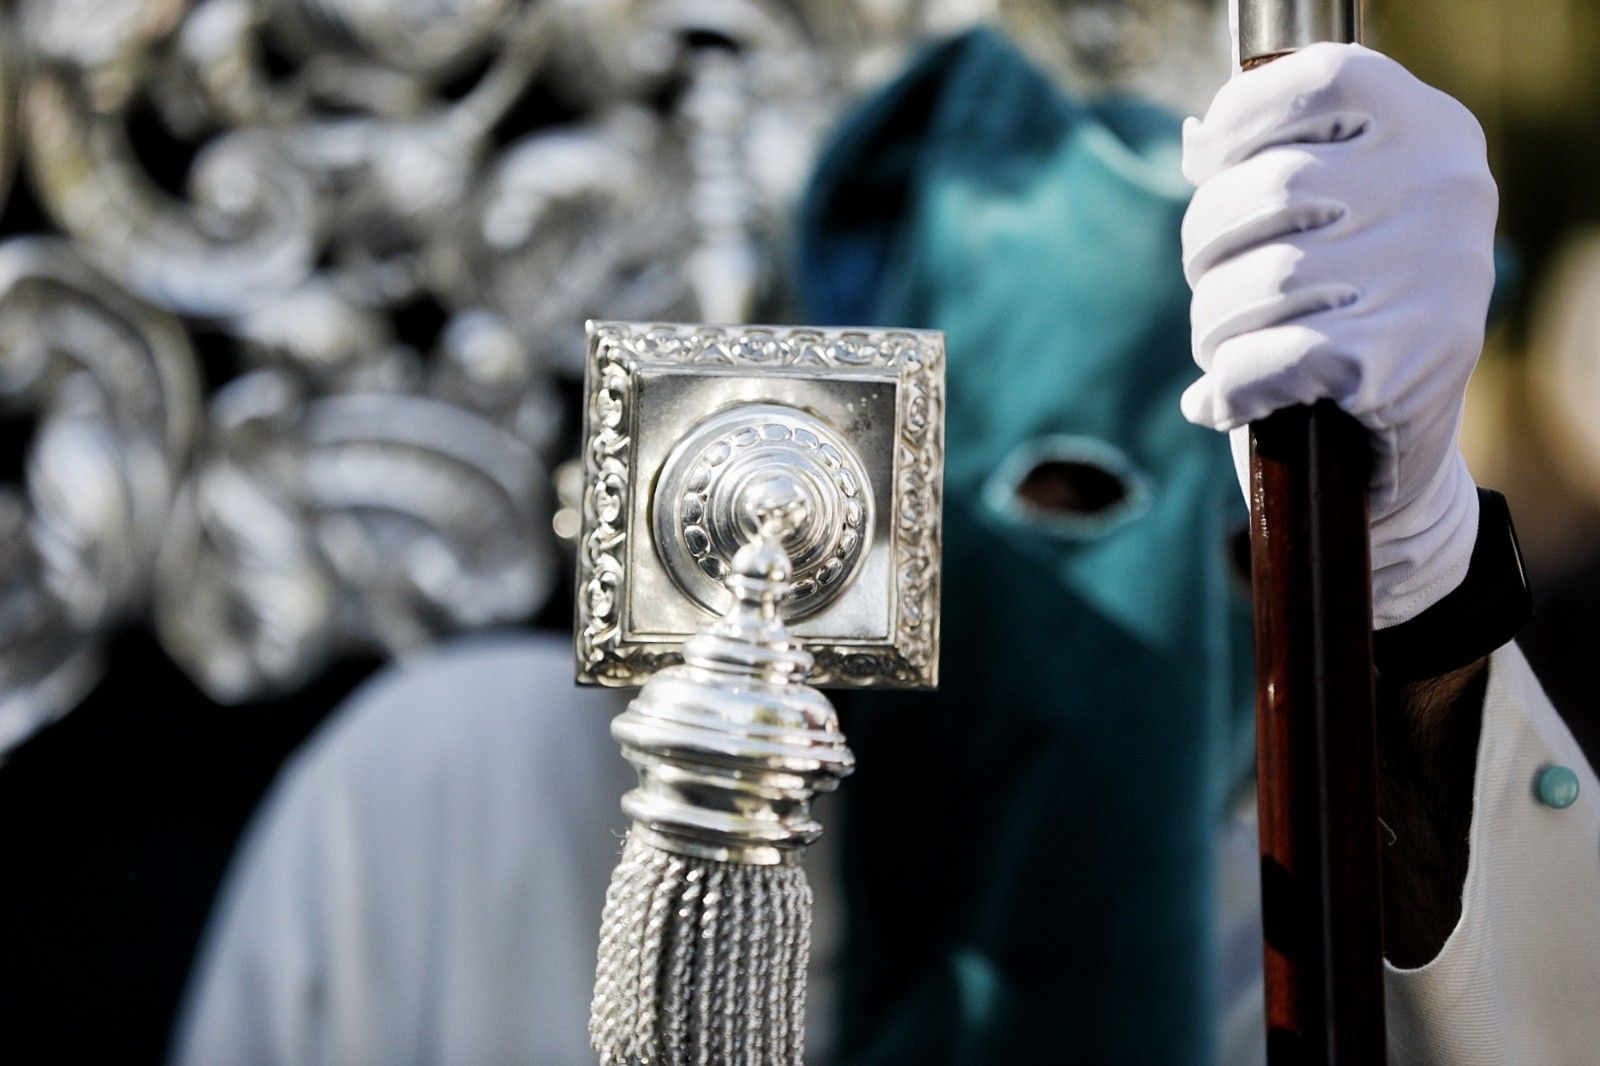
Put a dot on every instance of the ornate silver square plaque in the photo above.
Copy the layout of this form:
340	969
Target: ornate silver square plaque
685	426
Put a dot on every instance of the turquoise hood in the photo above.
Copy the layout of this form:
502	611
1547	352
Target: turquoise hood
1028	852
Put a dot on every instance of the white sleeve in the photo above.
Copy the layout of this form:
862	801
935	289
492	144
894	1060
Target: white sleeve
1518	980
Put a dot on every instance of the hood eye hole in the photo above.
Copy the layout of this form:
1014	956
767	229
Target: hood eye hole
1067	489
1070	487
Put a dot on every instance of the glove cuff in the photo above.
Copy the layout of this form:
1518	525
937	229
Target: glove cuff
1422	550
1484	612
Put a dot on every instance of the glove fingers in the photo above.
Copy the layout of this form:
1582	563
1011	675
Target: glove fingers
1272	285
1338	247
1317	95
1257	373
1271	196
1207	153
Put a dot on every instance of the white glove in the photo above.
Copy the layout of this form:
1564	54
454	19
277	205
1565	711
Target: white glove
1340	246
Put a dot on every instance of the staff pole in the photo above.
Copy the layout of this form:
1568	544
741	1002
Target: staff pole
1316	742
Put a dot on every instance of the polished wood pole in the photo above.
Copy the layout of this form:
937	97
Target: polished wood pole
1316	737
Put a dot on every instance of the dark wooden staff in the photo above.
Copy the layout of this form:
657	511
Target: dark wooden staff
1316	742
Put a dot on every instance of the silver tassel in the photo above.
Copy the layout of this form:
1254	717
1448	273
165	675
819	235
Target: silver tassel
707	925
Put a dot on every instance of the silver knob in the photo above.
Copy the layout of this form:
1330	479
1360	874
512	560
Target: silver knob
702	511
732	745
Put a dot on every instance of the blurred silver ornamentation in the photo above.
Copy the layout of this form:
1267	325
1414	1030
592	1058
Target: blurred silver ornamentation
113	387
1173	52
358	520
248	234
384	222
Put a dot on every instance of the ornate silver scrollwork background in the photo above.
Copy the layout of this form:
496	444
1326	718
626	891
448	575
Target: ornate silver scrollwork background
377	229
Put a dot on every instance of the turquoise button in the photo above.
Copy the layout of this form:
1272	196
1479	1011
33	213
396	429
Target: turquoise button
1556	786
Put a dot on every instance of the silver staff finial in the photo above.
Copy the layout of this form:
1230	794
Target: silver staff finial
745	485
707	923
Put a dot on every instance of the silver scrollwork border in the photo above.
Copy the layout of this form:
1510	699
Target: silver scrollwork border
617	350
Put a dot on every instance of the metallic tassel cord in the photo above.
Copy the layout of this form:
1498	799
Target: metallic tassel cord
707	925
681	992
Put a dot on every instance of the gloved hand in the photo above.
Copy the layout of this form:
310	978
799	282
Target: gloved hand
1340	246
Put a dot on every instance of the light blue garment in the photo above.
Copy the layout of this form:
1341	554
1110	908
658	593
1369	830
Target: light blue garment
423	884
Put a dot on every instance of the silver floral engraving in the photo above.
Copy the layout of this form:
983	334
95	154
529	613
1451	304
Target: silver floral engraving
620	352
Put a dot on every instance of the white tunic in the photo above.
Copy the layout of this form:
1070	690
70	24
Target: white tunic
424	885
1518	980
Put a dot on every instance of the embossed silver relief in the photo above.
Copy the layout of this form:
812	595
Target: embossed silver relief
646	569
702	516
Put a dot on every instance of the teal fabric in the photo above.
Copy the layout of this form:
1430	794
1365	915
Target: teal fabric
1027	853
